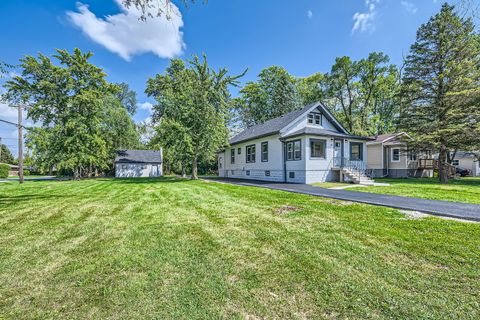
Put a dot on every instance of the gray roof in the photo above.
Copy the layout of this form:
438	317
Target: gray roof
464	154
138	156
324	132
274	126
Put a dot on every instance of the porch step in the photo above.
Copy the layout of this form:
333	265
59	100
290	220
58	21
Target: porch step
358	179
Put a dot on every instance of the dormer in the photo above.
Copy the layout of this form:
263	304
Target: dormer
315	118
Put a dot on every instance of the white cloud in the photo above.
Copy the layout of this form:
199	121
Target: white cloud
409	6
126	35
363	21
309	14
145	106
8	113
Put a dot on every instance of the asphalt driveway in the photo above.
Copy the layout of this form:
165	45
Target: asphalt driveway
458	210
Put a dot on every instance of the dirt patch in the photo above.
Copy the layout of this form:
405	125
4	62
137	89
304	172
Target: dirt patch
286	209
413	215
338	202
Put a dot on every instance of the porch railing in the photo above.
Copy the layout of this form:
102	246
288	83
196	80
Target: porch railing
358	167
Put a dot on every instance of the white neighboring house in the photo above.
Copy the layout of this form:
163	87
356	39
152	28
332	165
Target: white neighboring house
388	156
467	160
304	146
138	163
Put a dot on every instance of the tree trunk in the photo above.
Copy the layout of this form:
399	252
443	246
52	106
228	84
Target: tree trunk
184	172
194	168
442	164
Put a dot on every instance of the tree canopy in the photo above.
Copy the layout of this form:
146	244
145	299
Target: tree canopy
81	120
440	86
5	155
192	109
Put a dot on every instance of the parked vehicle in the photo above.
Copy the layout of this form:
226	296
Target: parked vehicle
463	172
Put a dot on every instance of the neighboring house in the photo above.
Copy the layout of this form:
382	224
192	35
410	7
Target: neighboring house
304	146
388	156
467	160
138	163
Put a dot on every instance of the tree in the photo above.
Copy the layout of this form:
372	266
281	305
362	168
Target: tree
440	86
363	93
127	98
80	124
273	95
5	155
192	104
309	88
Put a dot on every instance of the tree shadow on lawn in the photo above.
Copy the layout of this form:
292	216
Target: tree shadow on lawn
150	180
9	200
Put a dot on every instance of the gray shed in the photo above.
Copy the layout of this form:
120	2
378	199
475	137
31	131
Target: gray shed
138	163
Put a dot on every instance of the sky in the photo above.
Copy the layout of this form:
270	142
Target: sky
303	36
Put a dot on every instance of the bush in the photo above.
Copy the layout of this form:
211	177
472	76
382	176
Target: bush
4	169
26	172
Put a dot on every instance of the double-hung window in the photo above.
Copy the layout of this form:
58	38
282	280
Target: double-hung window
294	150
317	148
232	156
315	118
356	151
250	153
264	151
396	155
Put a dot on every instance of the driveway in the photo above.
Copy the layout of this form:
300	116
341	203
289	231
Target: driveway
456	210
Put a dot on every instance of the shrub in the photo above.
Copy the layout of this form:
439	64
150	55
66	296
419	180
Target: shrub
26	172
4	169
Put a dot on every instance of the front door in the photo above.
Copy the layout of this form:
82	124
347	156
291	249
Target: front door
338	153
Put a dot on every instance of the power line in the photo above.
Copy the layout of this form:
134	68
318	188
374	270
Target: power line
14	124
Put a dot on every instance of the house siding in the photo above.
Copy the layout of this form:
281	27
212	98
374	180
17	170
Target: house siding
134	170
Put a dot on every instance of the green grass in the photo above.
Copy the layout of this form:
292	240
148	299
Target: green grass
329	185
460	190
170	249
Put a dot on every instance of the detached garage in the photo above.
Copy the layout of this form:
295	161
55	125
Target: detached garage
138	163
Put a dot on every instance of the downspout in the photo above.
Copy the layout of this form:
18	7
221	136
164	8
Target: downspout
284	161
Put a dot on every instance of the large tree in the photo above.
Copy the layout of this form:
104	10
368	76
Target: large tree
363	93
440	86
127	98
5	155
273	95
192	104
81	121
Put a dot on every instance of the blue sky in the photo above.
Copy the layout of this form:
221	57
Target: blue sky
304	36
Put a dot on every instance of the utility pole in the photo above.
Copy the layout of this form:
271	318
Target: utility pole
20	145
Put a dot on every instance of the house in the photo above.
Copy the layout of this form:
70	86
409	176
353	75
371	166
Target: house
389	156
304	146
467	160
138	163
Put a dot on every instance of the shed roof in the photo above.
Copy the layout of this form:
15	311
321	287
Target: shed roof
138	156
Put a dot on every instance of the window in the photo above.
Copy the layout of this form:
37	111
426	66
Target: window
291	175
232	156
315	118
143	167
233	172
250	153
396	155
317	148
356	151
413	156
239	151
247	172
294	150
124	166
264	151
267	173
456	162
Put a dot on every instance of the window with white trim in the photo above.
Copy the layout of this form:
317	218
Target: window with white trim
250	153
356	151
314	118
456	162
232	156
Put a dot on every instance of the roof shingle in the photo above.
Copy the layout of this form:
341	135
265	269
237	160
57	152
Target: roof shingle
138	156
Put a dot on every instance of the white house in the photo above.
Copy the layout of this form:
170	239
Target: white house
388	156
304	146
138	163
467	160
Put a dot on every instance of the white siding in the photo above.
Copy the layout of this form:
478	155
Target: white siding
138	170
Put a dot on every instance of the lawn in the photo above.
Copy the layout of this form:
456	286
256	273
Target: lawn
330	185
170	248
460	190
